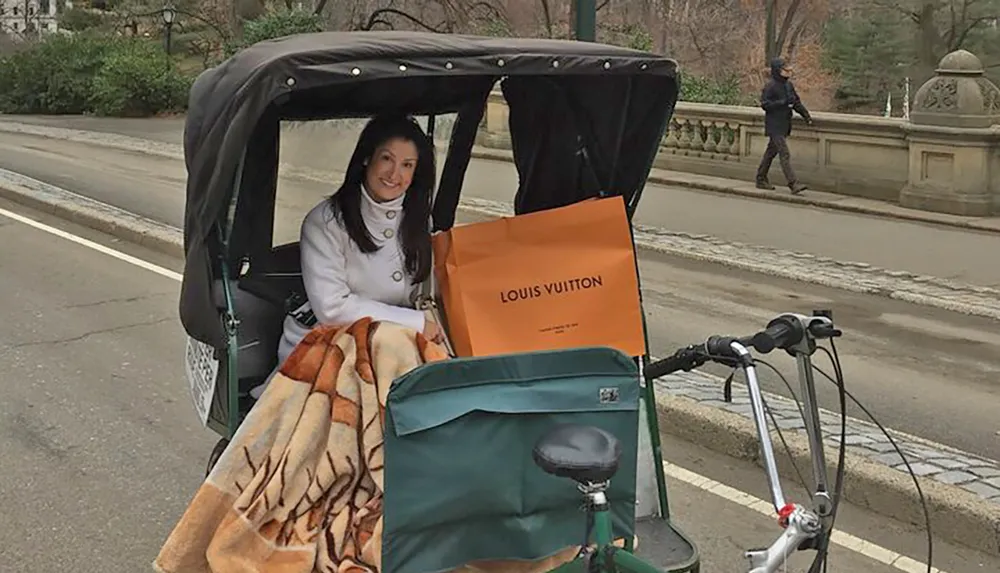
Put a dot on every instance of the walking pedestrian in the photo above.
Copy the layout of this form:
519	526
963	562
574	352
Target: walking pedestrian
778	98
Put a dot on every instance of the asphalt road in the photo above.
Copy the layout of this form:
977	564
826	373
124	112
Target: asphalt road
894	244
915	367
102	451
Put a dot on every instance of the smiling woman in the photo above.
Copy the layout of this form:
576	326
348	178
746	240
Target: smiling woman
365	249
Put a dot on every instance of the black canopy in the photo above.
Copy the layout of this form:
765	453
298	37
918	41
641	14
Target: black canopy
585	119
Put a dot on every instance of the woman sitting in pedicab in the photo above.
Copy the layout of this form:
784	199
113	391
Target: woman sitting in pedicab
365	249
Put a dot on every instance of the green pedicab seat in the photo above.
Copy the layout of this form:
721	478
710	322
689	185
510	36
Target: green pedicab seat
462	482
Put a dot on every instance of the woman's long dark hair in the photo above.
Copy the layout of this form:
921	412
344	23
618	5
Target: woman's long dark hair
414	229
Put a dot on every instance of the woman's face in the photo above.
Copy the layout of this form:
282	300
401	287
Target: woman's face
390	170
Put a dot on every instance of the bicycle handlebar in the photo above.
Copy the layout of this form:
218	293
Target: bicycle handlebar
785	332
797	335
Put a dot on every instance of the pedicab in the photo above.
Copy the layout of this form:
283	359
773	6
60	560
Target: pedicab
583	414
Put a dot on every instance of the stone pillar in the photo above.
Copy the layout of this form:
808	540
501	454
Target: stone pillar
494	130
953	141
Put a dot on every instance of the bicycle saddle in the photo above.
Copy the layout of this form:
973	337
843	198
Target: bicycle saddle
584	454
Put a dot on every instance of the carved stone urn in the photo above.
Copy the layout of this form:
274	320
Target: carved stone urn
958	96
953	140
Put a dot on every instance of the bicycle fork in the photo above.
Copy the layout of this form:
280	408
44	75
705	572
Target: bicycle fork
800	523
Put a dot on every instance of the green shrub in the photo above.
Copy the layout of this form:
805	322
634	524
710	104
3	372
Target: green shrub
276	24
90	73
138	79
80	19
54	75
724	91
629	36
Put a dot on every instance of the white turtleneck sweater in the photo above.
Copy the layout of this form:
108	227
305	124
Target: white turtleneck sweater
342	283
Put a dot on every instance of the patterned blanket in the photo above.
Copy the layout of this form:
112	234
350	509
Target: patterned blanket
299	489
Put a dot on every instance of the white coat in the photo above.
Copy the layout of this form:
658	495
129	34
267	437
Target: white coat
342	283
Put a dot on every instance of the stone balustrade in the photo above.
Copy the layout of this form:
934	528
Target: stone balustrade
945	159
852	155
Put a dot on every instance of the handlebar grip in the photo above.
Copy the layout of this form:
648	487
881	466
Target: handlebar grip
781	332
684	359
661	368
658	369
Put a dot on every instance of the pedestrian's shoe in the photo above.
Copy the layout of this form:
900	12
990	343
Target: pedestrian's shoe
797	188
764	184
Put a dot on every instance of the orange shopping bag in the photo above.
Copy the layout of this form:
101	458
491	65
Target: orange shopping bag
554	279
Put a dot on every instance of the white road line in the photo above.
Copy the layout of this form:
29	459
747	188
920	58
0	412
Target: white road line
92	245
846	540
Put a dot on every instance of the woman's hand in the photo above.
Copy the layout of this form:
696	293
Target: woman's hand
433	332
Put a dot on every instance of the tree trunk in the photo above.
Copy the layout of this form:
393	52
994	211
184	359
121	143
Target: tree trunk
572	18
769	34
928	38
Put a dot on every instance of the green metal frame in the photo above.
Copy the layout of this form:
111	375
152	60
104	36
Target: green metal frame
231	322
232	351
648	389
585	20
613	559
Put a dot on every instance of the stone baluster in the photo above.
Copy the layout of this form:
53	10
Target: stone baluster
671	138
721	139
734	130
683	135
694	137
706	127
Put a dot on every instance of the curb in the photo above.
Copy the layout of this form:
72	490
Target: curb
805	201
91	213
500	154
956	515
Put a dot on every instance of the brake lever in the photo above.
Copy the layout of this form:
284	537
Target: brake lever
727	386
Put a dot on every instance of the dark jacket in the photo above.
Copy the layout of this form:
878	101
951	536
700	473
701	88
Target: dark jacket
778	98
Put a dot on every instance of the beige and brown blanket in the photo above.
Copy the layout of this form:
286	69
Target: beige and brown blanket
299	489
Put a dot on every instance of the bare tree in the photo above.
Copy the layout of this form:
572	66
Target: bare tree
943	26
446	16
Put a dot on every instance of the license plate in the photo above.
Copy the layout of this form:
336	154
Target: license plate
202	369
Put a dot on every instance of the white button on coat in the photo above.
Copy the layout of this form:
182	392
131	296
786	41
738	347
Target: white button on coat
342	283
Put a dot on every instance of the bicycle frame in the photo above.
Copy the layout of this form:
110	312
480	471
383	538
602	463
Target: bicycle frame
797	334
801	524
600	554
